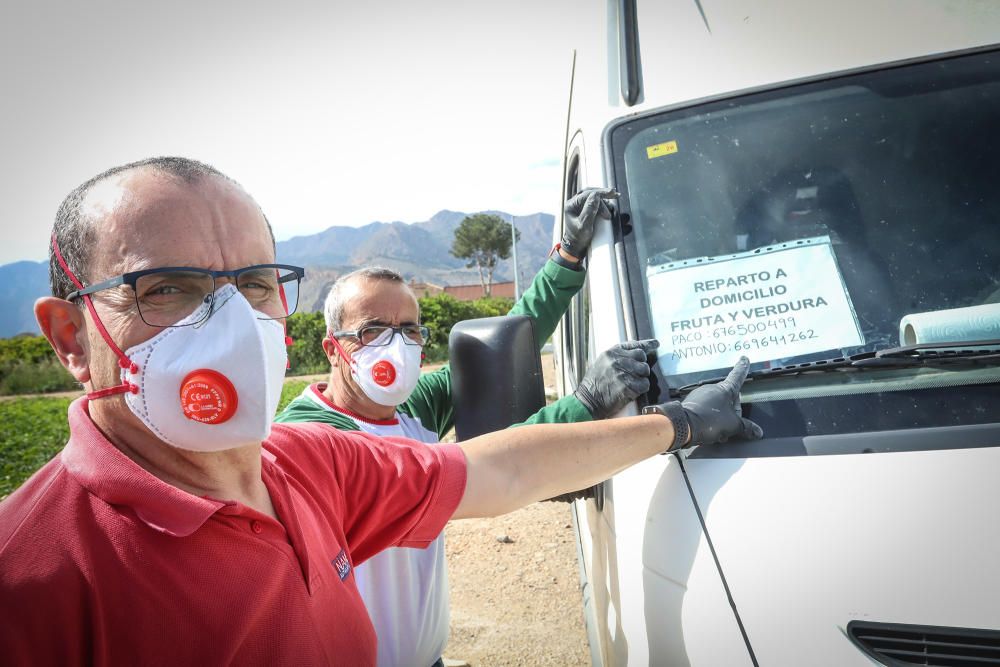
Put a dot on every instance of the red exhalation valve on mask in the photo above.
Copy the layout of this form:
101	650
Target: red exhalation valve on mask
384	373
208	397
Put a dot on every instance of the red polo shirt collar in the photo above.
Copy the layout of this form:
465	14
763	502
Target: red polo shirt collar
102	469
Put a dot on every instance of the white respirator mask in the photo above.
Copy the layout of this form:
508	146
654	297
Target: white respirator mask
214	385
386	373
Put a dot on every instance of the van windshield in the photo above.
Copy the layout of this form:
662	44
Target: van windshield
817	221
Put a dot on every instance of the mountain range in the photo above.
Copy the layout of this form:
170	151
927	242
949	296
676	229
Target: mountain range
419	251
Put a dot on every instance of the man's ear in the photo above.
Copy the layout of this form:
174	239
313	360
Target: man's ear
331	352
65	327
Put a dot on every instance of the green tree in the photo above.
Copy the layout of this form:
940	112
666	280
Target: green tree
483	240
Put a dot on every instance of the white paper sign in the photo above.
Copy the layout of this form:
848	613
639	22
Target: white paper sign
770	303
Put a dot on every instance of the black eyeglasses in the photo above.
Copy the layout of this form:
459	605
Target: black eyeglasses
375	335
168	295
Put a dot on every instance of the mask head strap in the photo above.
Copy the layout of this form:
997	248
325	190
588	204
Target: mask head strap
281	292
284	322
343	353
123	360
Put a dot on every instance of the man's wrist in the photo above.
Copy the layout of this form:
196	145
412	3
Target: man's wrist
673	411
565	259
568	256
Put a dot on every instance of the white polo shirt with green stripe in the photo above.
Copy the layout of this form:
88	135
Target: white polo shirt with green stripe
406	590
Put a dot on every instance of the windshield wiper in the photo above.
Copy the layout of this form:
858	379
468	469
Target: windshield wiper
964	353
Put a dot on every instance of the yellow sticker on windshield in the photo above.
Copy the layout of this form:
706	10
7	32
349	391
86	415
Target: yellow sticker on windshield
659	150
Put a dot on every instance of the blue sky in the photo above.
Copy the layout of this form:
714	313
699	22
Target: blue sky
327	112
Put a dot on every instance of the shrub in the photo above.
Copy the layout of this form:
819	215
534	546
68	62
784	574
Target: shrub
21	377
29	366
441	312
494	306
25	348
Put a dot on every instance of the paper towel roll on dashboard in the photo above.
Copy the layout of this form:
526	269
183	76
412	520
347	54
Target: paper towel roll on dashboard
954	325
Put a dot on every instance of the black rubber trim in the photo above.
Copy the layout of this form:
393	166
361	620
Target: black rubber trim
628	52
631	291
971	643
718	565
970	436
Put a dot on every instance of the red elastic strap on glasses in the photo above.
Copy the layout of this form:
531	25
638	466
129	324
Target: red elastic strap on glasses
123	360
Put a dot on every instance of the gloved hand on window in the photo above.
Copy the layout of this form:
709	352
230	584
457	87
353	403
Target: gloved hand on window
618	376
711	413
582	212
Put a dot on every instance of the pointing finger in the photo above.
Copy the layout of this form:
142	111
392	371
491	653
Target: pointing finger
734	381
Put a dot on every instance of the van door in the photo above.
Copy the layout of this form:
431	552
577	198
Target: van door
651	591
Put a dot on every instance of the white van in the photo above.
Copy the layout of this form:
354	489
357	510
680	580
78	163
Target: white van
816	185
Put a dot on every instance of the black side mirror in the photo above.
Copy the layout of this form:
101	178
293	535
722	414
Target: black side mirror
496	374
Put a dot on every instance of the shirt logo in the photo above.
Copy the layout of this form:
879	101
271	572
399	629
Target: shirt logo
342	565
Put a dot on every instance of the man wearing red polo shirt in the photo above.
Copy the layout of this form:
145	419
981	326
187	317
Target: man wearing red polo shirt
178	526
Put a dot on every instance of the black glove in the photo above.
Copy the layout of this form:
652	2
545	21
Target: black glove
582	212
618	376
711	413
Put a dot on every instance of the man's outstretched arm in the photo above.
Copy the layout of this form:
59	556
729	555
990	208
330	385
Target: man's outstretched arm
509	469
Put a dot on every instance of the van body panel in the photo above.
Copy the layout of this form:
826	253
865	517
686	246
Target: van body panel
752	43
661	601
810	543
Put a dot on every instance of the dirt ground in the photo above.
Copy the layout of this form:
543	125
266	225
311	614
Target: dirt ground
517	602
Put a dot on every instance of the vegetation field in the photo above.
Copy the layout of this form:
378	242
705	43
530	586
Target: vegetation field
291	389
32	431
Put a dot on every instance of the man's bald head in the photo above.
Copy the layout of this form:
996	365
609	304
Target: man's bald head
77	223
